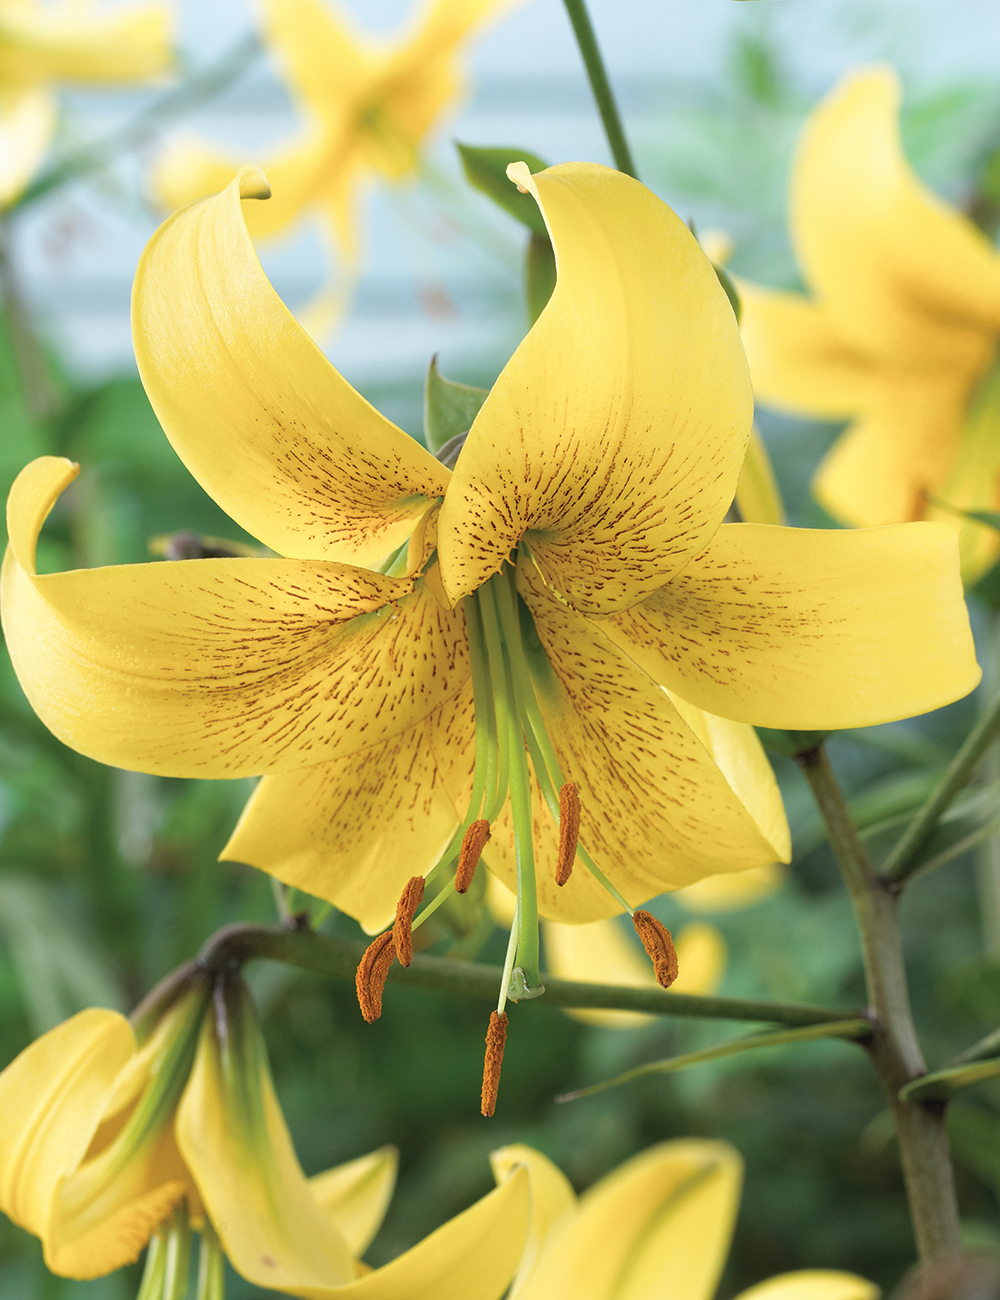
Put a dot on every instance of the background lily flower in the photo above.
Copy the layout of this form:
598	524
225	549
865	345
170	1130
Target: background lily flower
898	332
643	637
42	44
366	110
662	1220
105	1137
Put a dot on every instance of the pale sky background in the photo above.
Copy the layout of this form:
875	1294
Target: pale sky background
442	269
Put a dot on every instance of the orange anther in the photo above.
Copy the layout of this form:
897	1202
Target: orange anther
473	843
659	946
372	971
569	830
402	929
496	1038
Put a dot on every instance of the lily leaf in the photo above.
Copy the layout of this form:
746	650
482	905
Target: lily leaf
848	1029
449	408
539	274
486	169
942	1083
972	818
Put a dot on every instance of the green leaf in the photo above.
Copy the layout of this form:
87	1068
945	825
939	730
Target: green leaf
449	408
849	1029
970	821
942	1083
539	274
486	169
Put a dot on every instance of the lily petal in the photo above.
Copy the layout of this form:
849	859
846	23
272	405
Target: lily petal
798	360
234	1139
730	893
667	1213
813	1284
701	959
897	270
552	1199
811	629
356	1195
614	437
758	497
599	953
219	667
27	125
355	830
66	42
52	1098
326	64
640	768
900	448
252	406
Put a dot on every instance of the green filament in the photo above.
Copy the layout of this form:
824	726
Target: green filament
151	1287
178	1255
211	1268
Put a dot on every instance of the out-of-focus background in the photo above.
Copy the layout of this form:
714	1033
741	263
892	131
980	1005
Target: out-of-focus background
108	879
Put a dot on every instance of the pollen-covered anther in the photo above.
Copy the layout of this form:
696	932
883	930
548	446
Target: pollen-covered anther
569	830
473	843
402	928
659	946
373	969
496	1038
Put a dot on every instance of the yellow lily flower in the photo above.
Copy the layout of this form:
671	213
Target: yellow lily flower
664	1217
661	1223
366	110
899	330
112	1143
41	44
563	645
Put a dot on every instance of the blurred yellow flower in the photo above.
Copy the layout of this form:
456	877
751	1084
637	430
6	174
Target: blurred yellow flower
899	330
110	1144
42	44
366	110
563	642
660	1224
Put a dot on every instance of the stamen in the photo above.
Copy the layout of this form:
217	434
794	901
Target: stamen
402	929
496	1038
569	830
659	946
472	847
373	970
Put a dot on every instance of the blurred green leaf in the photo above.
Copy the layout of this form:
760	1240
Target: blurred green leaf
971	819
449	408
939	1085
486	169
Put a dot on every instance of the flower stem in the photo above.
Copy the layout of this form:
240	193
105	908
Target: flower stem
902	860
329	955
895	1052
583	30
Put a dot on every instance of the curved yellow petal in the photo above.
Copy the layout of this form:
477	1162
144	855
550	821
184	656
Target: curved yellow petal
356	1195
813	1284
355	830
219	667
27	125
811	629
255	410
758	498
902	447
667	1214
896	269
798	360
234	1139
52	1098
552	1200
73	43
973	481
614	437
657	810
731	893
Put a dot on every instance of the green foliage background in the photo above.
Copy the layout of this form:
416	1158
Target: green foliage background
108	879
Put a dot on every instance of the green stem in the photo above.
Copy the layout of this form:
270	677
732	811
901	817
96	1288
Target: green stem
307	950
902	861
583	30
894	1049
194	92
